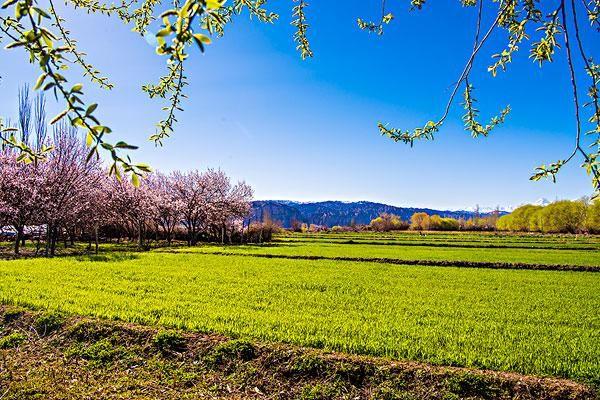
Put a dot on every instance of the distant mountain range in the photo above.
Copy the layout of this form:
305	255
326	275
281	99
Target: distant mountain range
331	213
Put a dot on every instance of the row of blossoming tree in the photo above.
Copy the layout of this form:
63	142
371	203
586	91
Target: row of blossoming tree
68	197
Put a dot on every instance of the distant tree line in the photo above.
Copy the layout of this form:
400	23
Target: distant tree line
565	216
388	222
68	197
422	221
559	217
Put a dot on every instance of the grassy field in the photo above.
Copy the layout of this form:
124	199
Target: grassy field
533	322
124	361
422	252
457	239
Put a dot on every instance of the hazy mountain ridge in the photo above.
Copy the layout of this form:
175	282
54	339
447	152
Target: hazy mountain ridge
331	213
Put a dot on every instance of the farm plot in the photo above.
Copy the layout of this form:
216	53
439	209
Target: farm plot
316	248
532	322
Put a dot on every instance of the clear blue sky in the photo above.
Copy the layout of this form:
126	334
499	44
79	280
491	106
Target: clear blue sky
306	130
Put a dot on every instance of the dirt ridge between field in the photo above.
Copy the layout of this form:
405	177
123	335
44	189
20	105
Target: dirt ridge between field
429	263
431	244
51	356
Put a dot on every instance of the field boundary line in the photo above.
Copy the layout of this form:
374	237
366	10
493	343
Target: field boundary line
429	244
428	263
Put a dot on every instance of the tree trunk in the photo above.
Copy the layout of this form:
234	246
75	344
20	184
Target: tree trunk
53	238
18	239
96	238
140	235
38	241
48	238
242	233
193	236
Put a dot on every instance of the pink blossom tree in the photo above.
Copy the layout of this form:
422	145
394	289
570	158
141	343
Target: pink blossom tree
228	204
68	177
20	195
69	195
192	191
132	207
167	205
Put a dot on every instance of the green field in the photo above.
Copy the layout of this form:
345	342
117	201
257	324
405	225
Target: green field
456	239
533	322
422	252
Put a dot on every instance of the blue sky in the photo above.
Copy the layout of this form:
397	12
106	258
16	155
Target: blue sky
306	130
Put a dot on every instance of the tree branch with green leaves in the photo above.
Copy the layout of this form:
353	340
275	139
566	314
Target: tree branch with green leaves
523	19
551	26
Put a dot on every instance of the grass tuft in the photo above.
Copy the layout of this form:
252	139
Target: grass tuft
232	350
471	385
390	390
308	364
100	353
168	341
321	391
12	340
12	315
48	322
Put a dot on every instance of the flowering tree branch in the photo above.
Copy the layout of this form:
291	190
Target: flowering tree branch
191	23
